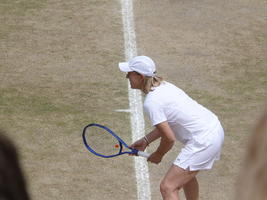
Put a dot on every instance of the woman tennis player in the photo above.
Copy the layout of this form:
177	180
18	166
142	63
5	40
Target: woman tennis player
175	116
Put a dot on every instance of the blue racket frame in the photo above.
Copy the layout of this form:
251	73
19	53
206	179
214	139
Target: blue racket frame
121	142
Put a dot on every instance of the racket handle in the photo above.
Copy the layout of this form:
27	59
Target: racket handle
143	154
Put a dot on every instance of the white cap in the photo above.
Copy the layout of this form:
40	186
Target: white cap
141	64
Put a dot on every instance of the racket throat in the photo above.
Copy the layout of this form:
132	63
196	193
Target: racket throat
121	147
134	152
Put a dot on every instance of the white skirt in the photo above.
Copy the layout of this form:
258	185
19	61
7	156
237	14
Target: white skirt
196	156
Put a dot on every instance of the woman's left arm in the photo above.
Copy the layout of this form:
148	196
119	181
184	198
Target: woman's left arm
166	143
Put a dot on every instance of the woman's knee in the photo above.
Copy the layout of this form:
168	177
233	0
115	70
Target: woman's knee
167	188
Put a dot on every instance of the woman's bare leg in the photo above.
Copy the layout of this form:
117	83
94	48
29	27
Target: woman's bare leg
191	189
174	180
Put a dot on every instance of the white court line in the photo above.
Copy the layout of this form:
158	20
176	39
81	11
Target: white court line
135	101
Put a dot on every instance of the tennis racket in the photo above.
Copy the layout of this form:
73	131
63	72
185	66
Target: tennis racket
103	142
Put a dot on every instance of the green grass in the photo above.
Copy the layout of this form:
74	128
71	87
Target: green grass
20	7
12	13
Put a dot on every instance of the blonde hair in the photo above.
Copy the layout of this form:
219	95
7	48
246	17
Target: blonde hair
150	83
253	177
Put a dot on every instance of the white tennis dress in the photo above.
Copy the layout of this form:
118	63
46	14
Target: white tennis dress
194	125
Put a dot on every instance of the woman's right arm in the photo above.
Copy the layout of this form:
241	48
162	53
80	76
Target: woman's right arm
142	143
152	136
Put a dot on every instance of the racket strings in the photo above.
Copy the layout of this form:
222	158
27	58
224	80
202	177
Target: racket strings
101	141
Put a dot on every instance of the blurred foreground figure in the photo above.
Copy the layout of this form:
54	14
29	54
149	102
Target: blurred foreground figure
252	183
12	183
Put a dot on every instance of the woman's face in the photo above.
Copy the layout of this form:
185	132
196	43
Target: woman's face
136	80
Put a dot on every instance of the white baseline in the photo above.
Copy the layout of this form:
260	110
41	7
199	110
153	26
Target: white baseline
135	101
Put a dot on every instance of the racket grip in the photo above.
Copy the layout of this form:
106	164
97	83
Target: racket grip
143	154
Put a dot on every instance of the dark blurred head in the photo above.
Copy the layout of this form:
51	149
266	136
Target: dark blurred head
12	182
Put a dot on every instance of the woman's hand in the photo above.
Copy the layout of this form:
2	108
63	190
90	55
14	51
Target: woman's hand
155	157
139	145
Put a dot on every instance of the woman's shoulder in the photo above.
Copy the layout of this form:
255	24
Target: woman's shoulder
167	87
158	93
